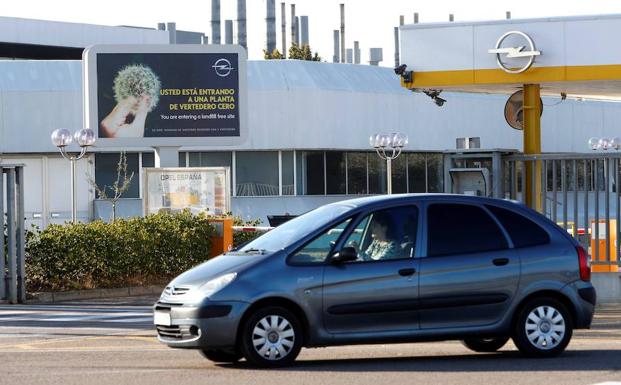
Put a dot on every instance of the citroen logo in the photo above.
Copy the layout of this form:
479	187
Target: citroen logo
515	52
223	67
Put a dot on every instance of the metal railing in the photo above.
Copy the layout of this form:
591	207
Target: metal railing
580	192
12	261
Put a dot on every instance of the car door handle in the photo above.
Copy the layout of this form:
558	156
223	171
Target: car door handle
407	272
500	261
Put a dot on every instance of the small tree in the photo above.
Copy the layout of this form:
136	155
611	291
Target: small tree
275	54
303	53
118	188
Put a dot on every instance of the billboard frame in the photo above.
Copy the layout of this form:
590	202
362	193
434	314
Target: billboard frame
90	88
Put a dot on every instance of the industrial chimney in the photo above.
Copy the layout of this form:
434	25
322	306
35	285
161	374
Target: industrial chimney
336	58
342	33
376	55
356	52
283	28
215	21
270	22
304	30
228	31
293	26
241	24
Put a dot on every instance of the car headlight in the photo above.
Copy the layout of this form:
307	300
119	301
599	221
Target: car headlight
211	287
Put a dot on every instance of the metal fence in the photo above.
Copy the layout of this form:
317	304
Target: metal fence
580	192
12	241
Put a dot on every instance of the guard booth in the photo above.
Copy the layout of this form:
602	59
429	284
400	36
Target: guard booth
475	172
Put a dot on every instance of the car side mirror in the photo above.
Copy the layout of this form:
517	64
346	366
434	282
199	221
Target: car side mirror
347	254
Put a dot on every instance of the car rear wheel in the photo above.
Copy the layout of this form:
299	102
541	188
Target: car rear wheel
271	337
221	356
485	345
543	329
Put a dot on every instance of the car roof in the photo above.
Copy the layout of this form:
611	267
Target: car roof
379	199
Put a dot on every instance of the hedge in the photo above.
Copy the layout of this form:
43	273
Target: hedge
126	252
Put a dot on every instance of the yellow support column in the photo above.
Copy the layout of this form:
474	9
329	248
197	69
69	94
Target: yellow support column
532	144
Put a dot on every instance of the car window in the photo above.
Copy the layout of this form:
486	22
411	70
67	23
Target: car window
385	234
317	250
523	231
461	229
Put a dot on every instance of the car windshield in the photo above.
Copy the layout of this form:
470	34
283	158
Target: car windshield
289	232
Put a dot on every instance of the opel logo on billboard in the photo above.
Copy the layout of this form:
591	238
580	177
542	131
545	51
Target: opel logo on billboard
528	57
223	67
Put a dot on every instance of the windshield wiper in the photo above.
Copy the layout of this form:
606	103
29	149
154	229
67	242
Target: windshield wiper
259	251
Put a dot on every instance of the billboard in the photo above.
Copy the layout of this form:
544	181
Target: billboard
199	189
165	95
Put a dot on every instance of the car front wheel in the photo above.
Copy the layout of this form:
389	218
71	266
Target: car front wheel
271	337
543	329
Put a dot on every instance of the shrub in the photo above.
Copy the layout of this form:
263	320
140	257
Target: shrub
239	238
135	251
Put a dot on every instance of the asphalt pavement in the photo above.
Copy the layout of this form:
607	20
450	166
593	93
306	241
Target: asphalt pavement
113	342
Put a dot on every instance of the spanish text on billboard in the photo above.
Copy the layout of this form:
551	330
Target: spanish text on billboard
167	95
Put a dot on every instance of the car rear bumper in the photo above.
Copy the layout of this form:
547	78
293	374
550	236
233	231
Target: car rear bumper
209	325
584	297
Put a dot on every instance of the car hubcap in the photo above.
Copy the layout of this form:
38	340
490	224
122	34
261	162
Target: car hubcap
545	327
273	337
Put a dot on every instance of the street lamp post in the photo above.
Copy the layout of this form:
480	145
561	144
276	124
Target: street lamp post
388	147
84	138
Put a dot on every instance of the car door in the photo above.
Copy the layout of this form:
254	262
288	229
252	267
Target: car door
375	294
468	274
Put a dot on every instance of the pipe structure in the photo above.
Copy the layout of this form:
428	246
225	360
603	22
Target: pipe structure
172	32
215	21
304	38
356	52
242	37
283	29
342	33
397	56
270	23
293	25
336	57
228	31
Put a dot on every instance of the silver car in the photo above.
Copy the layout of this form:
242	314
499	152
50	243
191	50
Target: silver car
399	268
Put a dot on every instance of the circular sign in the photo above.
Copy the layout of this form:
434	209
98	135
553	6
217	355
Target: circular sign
515	52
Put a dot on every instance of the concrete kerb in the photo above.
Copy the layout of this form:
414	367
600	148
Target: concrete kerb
51	297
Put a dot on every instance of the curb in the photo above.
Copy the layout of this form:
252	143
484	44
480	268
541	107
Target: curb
134	291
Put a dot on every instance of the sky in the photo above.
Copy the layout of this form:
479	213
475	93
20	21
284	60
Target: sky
369	22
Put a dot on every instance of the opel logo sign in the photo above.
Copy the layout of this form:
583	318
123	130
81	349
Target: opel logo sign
515	52
223	67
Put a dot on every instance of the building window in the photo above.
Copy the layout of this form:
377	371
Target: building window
287	173
377	175
310	173
435	173
357	173
106	173
256	173
399	175
182	159
210	159
417	170
335	172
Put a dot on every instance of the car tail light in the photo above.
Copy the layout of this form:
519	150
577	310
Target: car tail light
585	264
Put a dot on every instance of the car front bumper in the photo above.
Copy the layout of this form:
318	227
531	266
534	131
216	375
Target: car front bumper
207	325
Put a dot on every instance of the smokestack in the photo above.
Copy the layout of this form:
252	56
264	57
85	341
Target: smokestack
283	28
297	31
342	33
356	52
304	30
350	55
241	24
204	39
228	31
293	25
451	17
161	26
215	21
336	58
508	15
415	17
376	55
172	32
270	22
397	58
401	20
